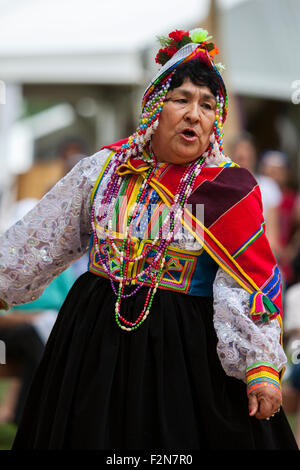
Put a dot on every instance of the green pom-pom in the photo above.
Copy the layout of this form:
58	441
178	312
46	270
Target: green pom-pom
269	305
199	35
264	317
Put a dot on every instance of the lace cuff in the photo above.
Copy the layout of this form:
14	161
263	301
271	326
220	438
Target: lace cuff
243	342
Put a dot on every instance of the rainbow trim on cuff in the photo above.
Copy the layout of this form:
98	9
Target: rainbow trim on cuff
3	305
262	374
261	307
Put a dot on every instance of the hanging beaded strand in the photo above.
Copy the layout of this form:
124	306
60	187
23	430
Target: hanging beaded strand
184	190
218	124
148	121
120	253
135	146
138	140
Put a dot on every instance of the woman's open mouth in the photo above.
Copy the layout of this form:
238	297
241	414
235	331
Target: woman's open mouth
189	135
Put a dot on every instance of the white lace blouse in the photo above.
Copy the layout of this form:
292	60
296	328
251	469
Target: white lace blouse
56	232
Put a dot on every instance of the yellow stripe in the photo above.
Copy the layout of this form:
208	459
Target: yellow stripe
250	241
100	175
213	238
232	164
205	246
207	249
226	253
232	274
253	303
157	183
263	374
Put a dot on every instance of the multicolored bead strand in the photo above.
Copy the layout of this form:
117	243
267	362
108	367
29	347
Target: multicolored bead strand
218	123
183	192
148	120
138	145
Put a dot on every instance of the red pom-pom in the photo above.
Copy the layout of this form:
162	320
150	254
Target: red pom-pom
177	35
171	50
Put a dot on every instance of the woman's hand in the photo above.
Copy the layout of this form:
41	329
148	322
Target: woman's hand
264	402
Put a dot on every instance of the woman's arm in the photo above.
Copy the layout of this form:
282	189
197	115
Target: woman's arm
50	237
248	350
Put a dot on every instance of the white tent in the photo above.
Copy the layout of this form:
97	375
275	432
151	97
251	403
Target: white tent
261	41
73	41
100	41
91	41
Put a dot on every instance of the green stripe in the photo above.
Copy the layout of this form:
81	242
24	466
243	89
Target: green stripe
243	248
99	179
257	364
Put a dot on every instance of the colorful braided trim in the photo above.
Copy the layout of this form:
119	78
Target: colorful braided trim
261	307
262	374
3	305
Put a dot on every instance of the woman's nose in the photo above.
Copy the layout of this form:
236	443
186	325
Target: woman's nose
192	113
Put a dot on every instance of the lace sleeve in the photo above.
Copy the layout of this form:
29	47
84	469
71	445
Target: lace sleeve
50	237
243	343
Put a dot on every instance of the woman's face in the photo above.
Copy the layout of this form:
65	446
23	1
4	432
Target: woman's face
185	124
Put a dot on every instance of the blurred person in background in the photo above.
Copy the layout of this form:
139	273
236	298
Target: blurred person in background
25	330
244	153
275	165
71	150
171	340
291	387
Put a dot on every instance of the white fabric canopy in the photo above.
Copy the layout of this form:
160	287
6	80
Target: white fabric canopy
99	41
85	41
261	47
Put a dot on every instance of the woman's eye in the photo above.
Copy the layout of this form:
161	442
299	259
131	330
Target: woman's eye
207	106
181	100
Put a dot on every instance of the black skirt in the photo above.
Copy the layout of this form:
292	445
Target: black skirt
159	387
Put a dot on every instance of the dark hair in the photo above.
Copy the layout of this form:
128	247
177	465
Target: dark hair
199	73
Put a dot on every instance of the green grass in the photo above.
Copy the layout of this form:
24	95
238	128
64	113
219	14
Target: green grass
7	431
291	419
7	435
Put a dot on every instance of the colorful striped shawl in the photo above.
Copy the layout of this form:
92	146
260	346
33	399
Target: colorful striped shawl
233	231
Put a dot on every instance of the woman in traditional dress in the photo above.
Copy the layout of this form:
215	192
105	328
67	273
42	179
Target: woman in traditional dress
172	338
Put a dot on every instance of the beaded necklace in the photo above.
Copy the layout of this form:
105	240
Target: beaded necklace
153	103
165	235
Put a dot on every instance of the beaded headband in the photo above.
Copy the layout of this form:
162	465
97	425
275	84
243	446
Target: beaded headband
179	47
202	51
